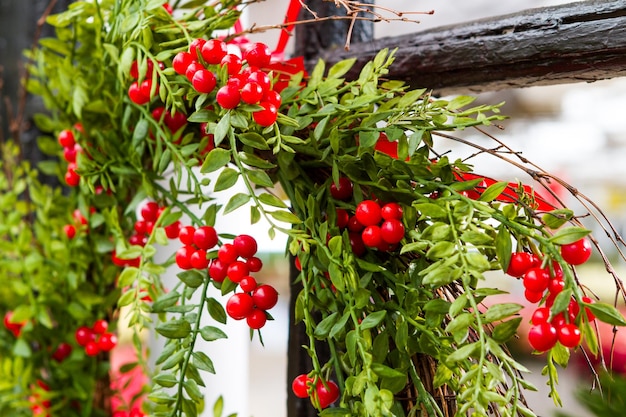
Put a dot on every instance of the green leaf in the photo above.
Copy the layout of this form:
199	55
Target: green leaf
493	191
174	329
192	278
504	247
431	210
211	333
502	311
236	201
255	161
557	218
569	235
441	250
203	362
323	327
166	380
373	319
216	310
460	101
285	216
128	277
341	68
222	129
260	178
215	160
462	353
606	313
272	200
504	331
227	178
253	140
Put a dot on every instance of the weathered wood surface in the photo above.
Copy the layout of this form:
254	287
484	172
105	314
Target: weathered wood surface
583	41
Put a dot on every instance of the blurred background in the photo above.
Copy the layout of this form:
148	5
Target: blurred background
576	131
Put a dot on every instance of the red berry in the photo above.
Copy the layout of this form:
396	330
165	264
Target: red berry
368	213
248	284
107	342
236	271
533	296
186	234
590	315
354	225
66	138
227	253
183	257
194	67
300	385
203	81
181	62
72	179
213	51
371	236
328	394
578	252
556	285
536	279
265	297
542	337
173	230
254	264
245	245
69	154
342	190
136	95
273	97
391	211
267	116
198	259
62	352
541	315
520	263
100	326
84	335
251	93
228	97
256	319
258	55
239	306
356	242
262	79
146	88
218	270
149	211
195	48
342	218
569	335
392	231
233	64
205	237
70	231
92	348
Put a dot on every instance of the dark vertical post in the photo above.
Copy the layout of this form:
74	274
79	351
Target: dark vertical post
310	40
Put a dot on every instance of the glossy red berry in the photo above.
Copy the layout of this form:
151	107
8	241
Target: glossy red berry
203	81
248	284
183	257
273	97
267	116
107	342
254	264
262	79
327	393
371	236
251	93
205	237
181	62
520	263
569	335
213	51
198	259
136	94
239	306
391	211
542	337
70	231
195	48
237	270
228	97
100	326
536	279
218	270
265	297
227	253
233	64
84	335
368	213
578	252
186	234
392	231
342	218
62	351
256	319
541	315
66	138
245	245
92	348
533	296
342	190
149	211
301	385
194	67
258	55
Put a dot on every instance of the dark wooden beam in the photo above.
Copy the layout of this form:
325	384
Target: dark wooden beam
583	41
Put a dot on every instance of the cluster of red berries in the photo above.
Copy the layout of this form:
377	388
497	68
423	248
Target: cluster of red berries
142	93
236	261
39	405
371	225
546	283
325	392
143	227
67	140
248	81
197	242
80	221
96	339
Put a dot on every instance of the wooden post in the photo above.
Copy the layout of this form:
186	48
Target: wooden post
310	40
583	41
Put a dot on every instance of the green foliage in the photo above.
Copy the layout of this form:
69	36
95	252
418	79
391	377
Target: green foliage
382	313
